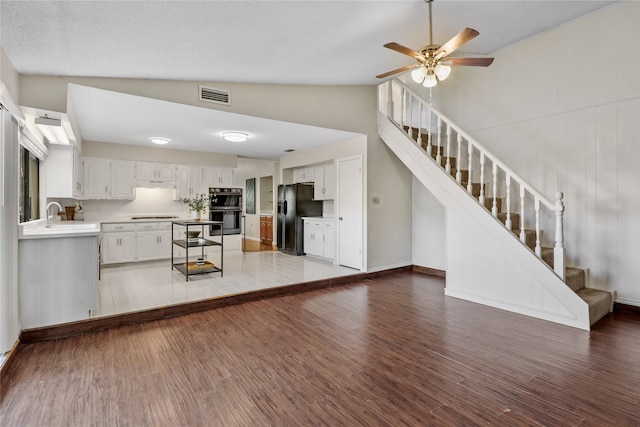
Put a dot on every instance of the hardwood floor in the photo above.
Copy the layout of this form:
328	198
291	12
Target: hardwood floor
391	350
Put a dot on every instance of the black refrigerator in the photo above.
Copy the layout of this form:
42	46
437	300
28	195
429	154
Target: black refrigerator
294	202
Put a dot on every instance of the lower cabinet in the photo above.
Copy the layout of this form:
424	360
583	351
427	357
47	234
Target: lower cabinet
319	237
266	229
130	242
153	240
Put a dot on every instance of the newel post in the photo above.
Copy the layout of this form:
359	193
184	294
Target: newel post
558	250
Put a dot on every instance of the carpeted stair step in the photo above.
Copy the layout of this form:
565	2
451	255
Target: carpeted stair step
488	203
515	220
547	255
599	303
576	278
464	175
475	188
530	239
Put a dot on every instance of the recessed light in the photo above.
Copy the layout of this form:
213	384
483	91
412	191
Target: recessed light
235	136
159	141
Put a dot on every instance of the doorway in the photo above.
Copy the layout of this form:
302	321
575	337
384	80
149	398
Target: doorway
350	212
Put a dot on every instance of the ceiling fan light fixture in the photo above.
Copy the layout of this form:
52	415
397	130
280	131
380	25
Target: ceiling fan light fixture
442	71
430	80
235	136
419	74
160	141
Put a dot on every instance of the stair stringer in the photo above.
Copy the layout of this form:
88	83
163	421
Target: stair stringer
486	263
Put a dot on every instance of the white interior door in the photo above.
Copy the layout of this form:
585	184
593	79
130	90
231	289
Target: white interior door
350	212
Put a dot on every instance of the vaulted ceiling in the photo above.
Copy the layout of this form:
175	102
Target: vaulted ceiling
281	42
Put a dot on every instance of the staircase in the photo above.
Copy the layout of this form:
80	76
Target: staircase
463	162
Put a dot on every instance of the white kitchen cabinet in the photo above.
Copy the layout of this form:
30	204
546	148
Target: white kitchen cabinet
63	172
324	181
108	179
188	181
122	180
216	177
328	239
97	178
303	174
319	237
153	240
118	243
155	171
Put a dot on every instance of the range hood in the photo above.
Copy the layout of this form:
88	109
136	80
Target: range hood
155	183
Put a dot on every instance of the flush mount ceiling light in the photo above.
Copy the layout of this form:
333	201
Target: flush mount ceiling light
52	130
235	136
159	141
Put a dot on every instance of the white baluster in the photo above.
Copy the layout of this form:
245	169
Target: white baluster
538	247
438	155
523	235
459	157
403	99
469	163
410	115
558	250
494	207
419	139
448	165
390	100
429	132
482	161
507	222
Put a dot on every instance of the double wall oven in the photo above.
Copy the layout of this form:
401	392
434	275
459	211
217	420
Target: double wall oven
225	204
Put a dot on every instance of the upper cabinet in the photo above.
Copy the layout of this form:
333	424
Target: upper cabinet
303	174
324	187
188	181
217	177
63	171
108	179
155	171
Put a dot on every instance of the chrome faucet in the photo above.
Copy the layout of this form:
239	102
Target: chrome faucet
48	220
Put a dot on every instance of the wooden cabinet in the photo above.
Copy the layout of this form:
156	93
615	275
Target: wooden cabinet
108	179
118	243
63	172
266	229
319	237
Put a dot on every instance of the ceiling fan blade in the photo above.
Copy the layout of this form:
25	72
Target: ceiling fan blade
399	70
405	50
478	62
458	40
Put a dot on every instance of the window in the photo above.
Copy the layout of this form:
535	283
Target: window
29	186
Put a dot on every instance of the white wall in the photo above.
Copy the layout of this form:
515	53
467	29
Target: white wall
429	229
563	110
349	108
9	315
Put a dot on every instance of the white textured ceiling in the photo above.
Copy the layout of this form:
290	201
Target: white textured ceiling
287	42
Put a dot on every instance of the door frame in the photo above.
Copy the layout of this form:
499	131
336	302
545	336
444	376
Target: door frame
363	187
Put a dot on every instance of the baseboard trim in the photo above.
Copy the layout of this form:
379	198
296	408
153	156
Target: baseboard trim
626	309
108	322
9	358
430	271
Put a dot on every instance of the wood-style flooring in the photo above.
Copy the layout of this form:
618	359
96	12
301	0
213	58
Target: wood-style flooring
387	351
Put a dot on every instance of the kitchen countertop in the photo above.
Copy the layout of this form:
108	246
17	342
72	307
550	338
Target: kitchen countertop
59	229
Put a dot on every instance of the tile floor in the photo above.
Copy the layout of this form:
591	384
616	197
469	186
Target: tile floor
145	285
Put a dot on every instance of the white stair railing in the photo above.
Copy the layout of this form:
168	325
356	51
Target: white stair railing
406	109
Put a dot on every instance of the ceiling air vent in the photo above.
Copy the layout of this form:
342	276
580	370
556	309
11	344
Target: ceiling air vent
217	96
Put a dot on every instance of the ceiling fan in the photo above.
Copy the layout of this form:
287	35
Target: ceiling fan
433	62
